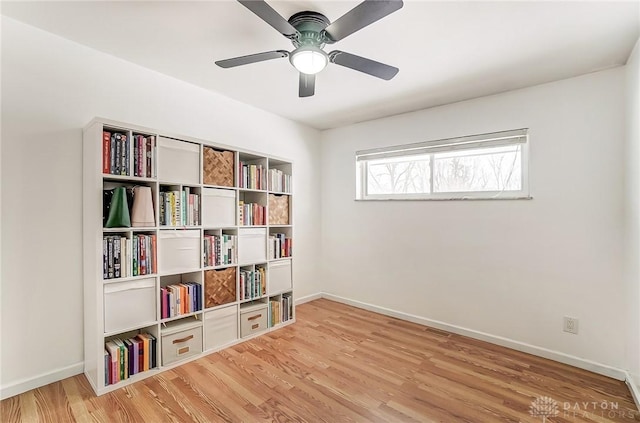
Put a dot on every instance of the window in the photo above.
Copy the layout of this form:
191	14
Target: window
483	166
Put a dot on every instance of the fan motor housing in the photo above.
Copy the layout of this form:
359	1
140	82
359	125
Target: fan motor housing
310	25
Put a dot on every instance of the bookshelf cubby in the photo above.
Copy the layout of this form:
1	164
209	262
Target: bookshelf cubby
201	272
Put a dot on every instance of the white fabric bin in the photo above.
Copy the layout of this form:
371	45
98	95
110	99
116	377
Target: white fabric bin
220	327
178	161
178	251
130	304
218	207
252	245
253	319
279	278
180	345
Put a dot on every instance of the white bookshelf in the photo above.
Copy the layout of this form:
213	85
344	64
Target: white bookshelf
123	307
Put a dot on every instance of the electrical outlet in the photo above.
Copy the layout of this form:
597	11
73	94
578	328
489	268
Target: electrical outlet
570	325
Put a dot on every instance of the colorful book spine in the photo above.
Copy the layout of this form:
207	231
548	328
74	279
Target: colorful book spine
106	152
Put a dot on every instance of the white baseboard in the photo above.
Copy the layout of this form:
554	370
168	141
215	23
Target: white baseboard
571	360
308	298
635	389
24	385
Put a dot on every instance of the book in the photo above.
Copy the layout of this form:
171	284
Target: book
129	259
116	256
123	257
154	254
129	347
107	366
114	352
143	255
136	158
153	346
105	258
134	256
145	351
142	156
106	151
163	310
148	154
122	358
109	257
117	162
154	155
127	156
112	154
140	353
135	355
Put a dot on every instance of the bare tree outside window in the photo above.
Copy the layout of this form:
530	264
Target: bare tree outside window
399	176
484	166
488	169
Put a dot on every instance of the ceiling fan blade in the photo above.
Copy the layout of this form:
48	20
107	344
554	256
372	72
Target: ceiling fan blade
307	85
361	64
252	58
270	16
360	16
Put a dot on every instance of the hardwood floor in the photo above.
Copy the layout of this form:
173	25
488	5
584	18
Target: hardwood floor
342	364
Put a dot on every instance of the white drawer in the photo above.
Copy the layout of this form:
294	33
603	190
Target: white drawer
218	208
252	245
180	345
253	320
220	327
129	304
279	278
178	250
178	161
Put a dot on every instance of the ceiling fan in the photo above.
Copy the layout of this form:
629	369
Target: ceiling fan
310	31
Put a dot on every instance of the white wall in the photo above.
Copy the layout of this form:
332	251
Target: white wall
632	211
51	88
507	268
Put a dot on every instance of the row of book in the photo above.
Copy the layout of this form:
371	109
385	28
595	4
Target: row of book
276	312
253	284
220	249
178	299
281	310
123	359
252	176
280	246
117	154
279	181
144	156
123	257
179	208
251	214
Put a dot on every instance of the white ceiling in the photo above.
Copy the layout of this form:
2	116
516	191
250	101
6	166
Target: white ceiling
446	51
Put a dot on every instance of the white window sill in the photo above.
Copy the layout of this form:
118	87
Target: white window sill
446	199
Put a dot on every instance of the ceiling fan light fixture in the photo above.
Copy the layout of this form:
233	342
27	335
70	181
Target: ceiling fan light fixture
309	59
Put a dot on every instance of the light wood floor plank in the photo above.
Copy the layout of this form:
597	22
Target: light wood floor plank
342	364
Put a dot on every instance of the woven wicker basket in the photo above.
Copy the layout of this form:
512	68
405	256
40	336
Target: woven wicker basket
218	167
278	209
219	287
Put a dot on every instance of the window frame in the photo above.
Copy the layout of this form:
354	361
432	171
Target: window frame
495	139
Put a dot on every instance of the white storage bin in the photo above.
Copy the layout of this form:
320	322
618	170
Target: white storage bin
279	278
252	245
253	319
180	345
178	161
178	251
218	207
220	327
130	304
